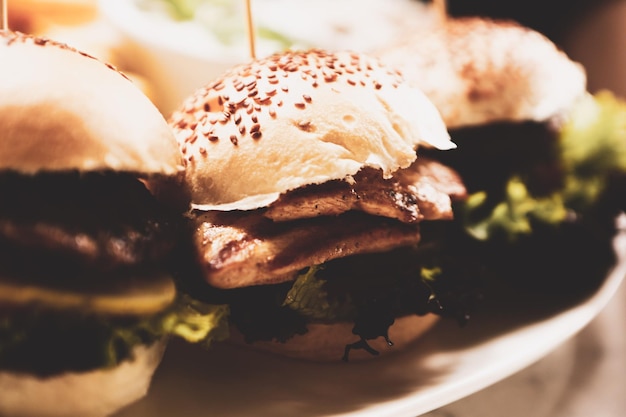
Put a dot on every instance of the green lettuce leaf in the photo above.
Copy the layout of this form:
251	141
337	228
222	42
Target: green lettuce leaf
309	297
187	318
592	148
47	342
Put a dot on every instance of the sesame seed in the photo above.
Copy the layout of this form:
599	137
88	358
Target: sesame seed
206	130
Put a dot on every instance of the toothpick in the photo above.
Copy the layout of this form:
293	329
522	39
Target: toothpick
250	26
4	20
441	8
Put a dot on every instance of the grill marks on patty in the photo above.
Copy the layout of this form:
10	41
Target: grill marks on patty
66	224
323	222
421	192
245	248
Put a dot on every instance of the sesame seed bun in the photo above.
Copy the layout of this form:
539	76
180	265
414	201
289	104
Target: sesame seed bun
96	393
299	118
327	342
477	71
61	110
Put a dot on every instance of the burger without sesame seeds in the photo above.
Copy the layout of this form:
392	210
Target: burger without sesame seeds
543	160
307	200
87	299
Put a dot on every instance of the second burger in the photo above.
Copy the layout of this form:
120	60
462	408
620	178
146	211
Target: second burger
307	199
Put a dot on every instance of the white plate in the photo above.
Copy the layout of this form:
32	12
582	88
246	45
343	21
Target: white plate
449	363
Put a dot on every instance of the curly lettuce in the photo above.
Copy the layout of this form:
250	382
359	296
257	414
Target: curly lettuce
47	343
591	149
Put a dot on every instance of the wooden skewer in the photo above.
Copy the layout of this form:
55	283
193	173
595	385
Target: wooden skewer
4	20
250	27
441	8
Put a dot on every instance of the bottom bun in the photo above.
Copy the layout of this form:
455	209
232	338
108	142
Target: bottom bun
96	393
327	342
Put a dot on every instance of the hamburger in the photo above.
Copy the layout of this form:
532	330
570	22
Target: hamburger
543	159
307	200
87	296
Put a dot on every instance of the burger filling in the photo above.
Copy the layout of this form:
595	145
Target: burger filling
83	271
344	251
543	197
539	213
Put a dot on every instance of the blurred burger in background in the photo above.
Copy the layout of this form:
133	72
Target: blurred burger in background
588	31
543	159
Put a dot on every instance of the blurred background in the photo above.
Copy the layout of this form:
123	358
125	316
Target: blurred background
163	44
590	31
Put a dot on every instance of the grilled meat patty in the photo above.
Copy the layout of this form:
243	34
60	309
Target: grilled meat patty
422	191
323	222
79	227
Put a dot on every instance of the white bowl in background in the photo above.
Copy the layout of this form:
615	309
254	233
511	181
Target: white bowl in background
180	56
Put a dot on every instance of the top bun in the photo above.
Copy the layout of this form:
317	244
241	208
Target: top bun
299	118
61	109
478	70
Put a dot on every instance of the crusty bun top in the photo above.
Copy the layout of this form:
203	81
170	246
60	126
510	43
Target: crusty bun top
61	109
299	118
478	70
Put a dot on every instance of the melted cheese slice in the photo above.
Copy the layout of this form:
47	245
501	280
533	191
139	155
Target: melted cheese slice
139	297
